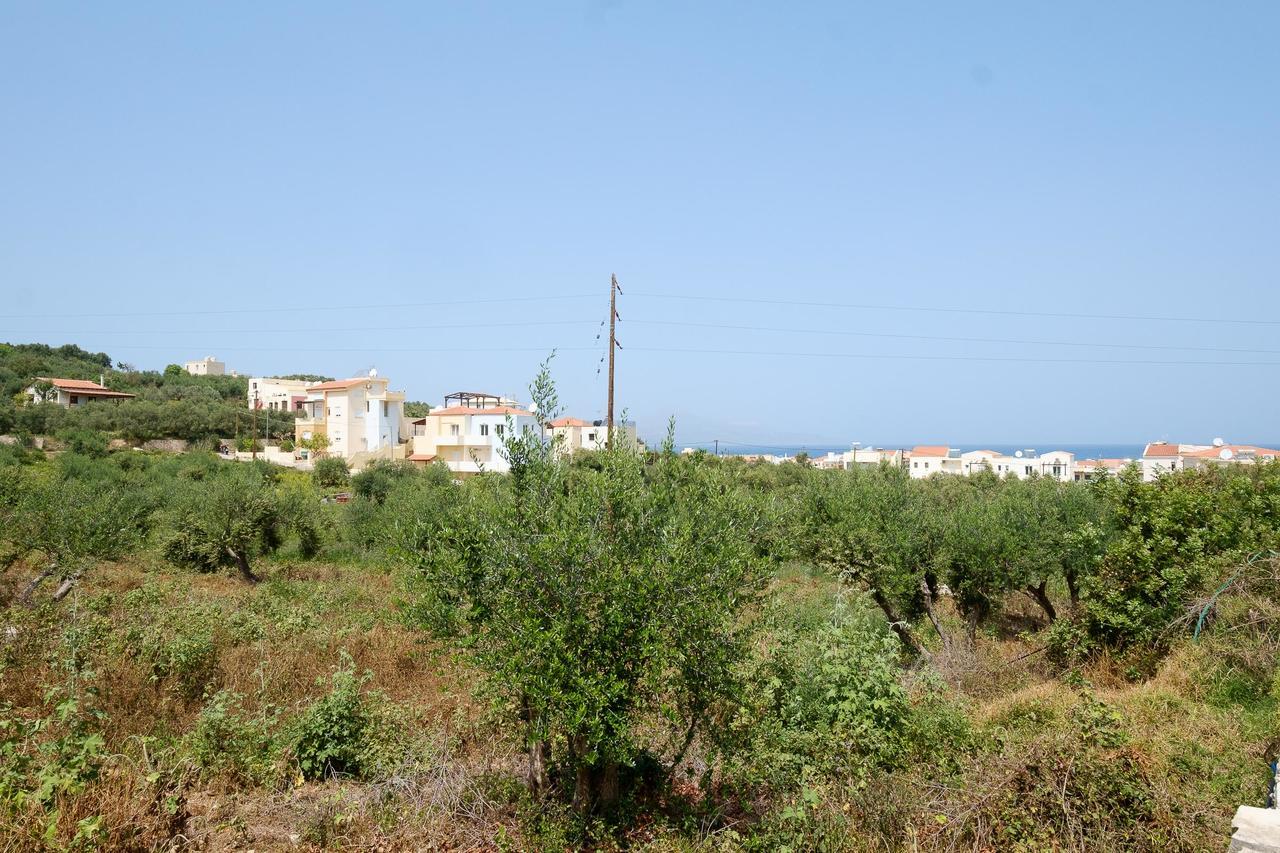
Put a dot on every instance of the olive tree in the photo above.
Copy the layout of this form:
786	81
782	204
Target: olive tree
603	603
875	528
227	520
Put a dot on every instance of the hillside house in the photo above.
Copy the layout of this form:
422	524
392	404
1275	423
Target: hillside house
70	393
278	395
207	366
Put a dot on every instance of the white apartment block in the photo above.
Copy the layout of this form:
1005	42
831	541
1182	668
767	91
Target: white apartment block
468	436
278	395
358	416
1160	457
927	460
207	366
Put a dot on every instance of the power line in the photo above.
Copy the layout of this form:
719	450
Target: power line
299	309
894	357
848	333
516	324
375	350
943	310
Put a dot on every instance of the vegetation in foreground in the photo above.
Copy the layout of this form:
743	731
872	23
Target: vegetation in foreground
651	652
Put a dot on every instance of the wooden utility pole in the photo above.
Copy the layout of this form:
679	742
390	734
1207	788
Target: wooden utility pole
613	344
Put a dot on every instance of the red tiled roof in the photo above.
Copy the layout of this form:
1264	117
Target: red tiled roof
1162	449
84	386
568	422
1102	463
343	384
930	450
471	410
422	457
1236	450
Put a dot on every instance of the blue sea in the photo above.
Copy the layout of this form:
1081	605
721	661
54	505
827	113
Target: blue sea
1082	451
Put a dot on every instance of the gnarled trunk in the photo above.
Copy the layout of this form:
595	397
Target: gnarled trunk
1041	594
898	624
242	563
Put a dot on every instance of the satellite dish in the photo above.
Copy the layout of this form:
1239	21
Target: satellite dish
1225	453
533	407
1018	453
1217	442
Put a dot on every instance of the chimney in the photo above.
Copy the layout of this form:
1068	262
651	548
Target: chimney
102	379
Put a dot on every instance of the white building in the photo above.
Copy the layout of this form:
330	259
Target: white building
207	366
362	418
1086	468
468	436
277	395
927	460
1160	457
70	393
873	457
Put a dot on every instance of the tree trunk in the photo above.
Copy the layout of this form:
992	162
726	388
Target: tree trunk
927	594
1040	593
607	796
242	562
898	625
539	752
30	588
1073	589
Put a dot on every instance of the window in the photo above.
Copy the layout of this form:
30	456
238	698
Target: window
484	429
74	400
1027	469
591	436
366	406
498	428
384	408
915	464
453	429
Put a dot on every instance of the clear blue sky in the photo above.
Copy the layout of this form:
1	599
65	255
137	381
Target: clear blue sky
1096	158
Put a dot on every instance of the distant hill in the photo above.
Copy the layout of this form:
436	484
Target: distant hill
170	403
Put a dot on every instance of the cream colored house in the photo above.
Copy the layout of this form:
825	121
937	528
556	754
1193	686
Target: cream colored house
277	395
575	434
361	417
207	366
873	457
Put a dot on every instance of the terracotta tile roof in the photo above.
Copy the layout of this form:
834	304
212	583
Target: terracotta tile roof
344	384
930	450
84	386
1236	450
569	422
471	410
1161	449
422	457
1102	463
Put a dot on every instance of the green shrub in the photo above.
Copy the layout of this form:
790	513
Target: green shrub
332	736
825	703
86	442
228	742
331	472
176	644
